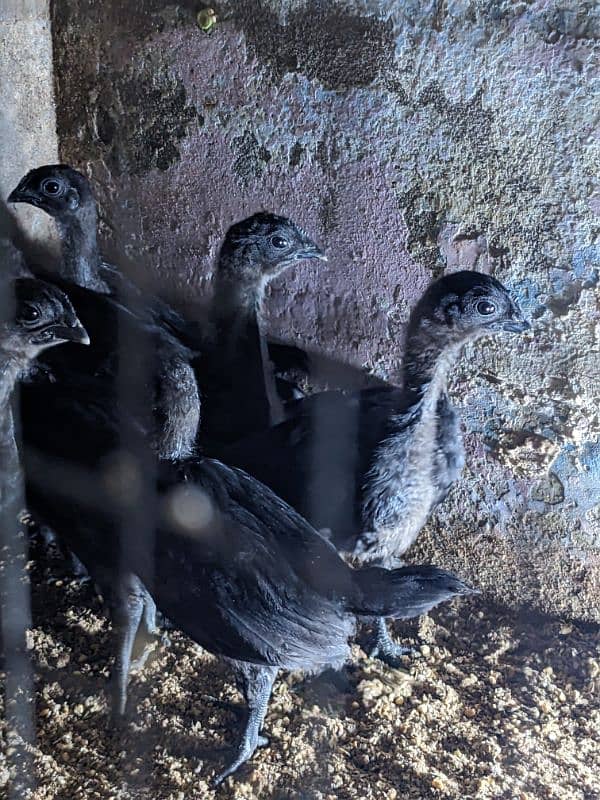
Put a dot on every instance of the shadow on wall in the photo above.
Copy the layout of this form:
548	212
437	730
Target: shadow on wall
18	248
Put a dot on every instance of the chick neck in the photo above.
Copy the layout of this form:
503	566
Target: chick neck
404	464
239	290
428	358
237	323
80	252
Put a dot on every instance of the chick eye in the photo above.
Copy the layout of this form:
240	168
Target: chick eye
485	308
29	314
51	187
279	242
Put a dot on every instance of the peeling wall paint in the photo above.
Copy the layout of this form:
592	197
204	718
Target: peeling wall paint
410	138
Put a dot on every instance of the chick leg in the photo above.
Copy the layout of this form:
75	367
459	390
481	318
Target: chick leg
151	629
257	683
127	611
386	649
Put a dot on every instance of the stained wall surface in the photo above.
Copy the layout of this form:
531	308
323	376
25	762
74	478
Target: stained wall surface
27	111
410	138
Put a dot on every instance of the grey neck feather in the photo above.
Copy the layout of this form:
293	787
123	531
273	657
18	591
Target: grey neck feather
238	291
80	251
427	362
401	486
237	313
237	298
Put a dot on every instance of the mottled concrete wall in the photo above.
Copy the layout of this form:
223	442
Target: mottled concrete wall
27	118
386	128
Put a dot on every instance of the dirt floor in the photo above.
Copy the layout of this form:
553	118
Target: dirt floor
497	705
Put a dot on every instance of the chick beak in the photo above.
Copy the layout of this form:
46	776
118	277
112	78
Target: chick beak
71	333
312	251
516	325
21	195
15	196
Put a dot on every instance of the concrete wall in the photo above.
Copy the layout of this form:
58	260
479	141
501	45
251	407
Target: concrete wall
27	117
385	128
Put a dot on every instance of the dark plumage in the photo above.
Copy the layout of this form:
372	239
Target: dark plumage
132	366
36	316
139	333
133	387
133	339
65	194
236	375
236	355
370	466
33	317
230	564
227	560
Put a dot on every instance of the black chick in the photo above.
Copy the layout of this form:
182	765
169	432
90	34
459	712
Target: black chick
129	371
66	195
34	316
239	389
370	466
274	594
230	564
136	349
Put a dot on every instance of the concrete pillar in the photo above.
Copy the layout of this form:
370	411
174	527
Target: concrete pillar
27	112
27	138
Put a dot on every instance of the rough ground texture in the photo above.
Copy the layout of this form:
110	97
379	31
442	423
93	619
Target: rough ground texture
498	705
410	138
